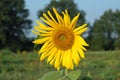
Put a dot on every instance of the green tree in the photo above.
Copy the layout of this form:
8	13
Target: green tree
61	5
105	31
13	23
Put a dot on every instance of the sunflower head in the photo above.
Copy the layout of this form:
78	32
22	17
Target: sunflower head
63	45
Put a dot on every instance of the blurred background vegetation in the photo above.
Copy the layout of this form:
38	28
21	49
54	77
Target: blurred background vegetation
103	35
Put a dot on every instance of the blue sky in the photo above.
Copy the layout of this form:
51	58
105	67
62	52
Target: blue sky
93	8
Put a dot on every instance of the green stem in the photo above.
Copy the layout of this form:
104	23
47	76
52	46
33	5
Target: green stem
66	72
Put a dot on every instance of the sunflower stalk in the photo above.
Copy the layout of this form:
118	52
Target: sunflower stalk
66	72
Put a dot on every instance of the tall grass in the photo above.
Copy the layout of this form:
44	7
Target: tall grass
26	66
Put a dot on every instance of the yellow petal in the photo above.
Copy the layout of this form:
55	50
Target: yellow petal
38	29
52	61
49	22
51	16
79	28
59	18
75	55
64	61
52	54
79	49
46	53
41	41
57	60
66	19
58	68
81	31
81	53
71	61
46	34
35	32
46	16
62	53
43	56
46	46
70	65
81	41
42	26
74	21
80	46
43	48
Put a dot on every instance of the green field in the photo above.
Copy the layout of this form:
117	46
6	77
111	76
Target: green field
102	65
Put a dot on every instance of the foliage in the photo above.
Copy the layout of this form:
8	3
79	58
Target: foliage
13	23
55	75
117	43
105	31
61	5
6	51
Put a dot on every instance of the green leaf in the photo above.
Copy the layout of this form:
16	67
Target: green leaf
74	75
40	79
52	75
89	75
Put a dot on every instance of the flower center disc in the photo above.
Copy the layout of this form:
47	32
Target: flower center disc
63	38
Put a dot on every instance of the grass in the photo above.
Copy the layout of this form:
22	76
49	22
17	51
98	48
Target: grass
102	65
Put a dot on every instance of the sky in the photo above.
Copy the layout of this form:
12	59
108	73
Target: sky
93	8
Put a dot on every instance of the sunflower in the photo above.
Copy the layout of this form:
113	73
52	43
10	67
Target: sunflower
62	44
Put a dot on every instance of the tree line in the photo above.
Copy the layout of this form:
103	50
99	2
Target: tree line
103	34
